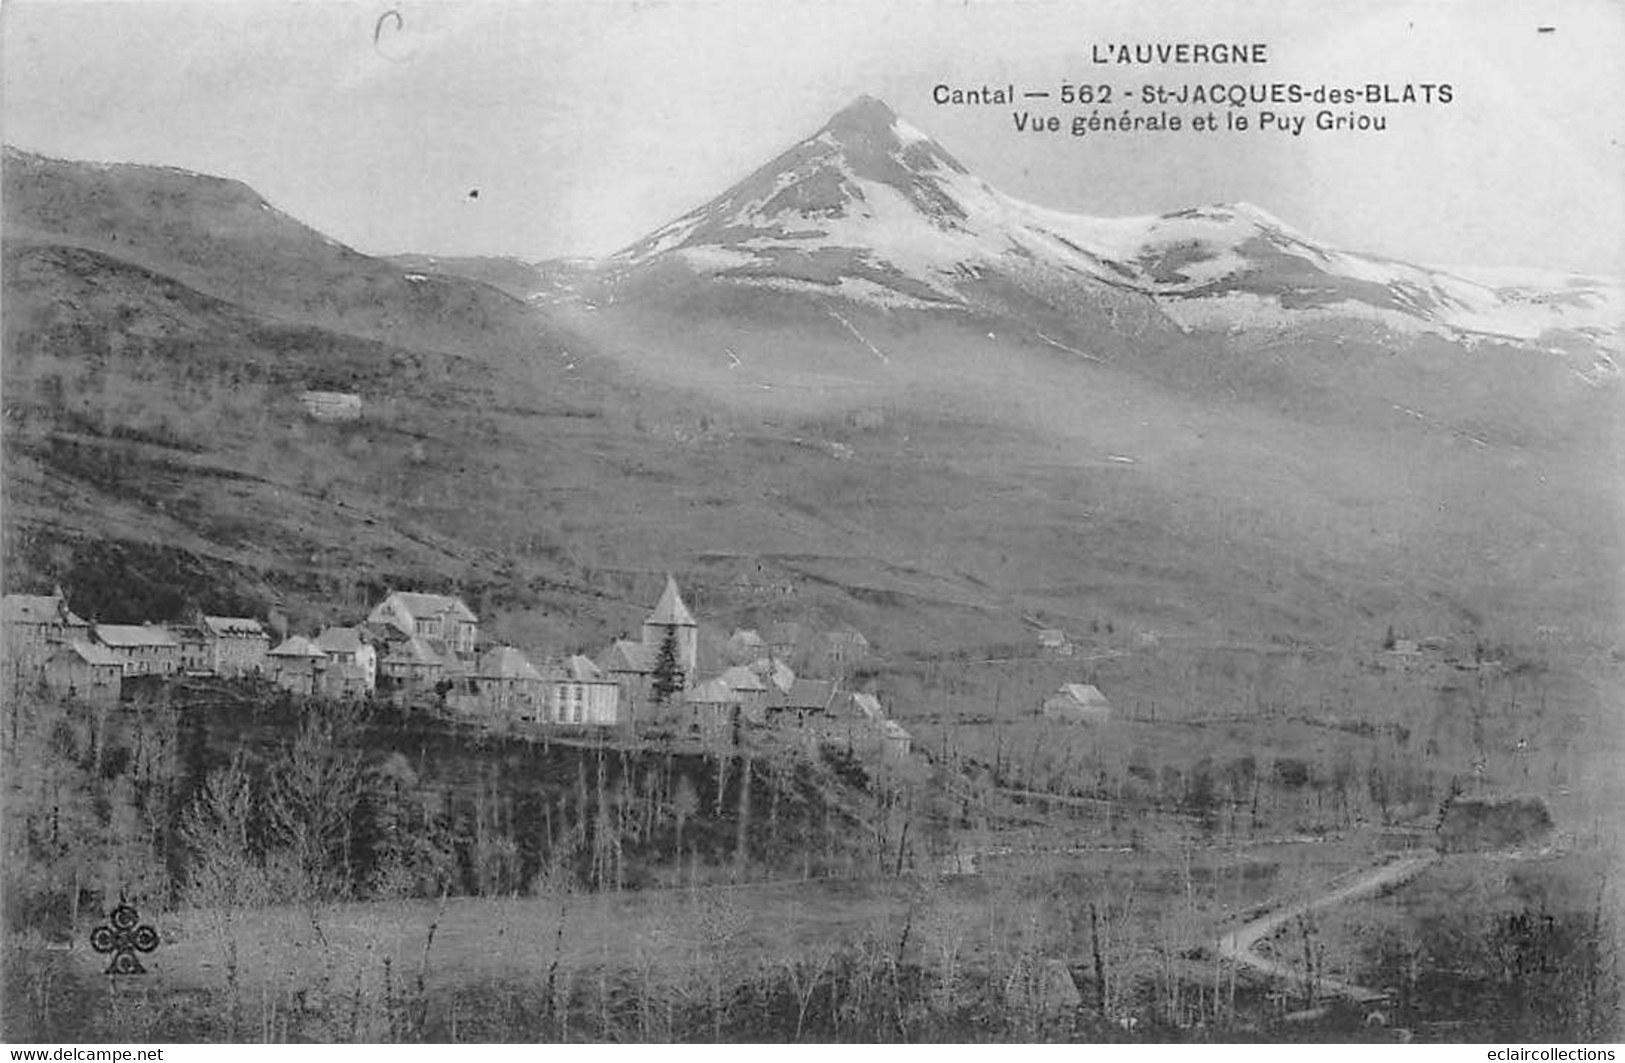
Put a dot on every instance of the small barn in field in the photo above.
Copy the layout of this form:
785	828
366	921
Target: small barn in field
895	742
331	405
1077	703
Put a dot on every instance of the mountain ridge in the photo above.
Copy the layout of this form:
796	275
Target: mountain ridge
1058	438
872	209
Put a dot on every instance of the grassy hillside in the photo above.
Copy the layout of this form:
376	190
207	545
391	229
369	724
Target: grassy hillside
933	478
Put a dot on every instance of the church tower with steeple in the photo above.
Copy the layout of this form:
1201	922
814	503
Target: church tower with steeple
671	615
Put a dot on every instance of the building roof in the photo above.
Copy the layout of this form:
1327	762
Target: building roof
37	609
506	662
869	706
624	655
130	636
240	627
893	729
712	692
581	670
413	651
1083	693
815	694
574	669
778	674
743	680
419	604
1077	703
670	610
746	638
297	646
339	640
848	634
92	654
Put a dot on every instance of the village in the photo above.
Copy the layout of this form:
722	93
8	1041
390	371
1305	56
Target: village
425	651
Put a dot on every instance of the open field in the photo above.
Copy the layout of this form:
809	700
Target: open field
1019	914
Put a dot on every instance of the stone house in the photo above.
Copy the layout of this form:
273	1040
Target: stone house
746	646
445	623
842	647
578	693
751	690
237	645
776	675
85	671
348	646
1054	641
412	667
143	649
858	722
297	665
805	698
505	683
713	711
194	649
35	625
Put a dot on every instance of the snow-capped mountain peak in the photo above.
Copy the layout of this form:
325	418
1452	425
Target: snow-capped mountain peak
871	208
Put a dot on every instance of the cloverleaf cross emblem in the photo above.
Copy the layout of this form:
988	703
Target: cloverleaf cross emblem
124	935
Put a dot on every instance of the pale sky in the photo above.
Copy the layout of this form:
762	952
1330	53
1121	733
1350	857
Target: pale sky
586	124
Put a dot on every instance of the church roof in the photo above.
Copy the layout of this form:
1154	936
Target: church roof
670	610
625	655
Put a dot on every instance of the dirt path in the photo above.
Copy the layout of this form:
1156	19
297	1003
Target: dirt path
1238	944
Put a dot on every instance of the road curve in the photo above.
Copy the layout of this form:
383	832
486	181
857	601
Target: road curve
1238	944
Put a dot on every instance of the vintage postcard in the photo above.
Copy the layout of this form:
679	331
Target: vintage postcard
707	521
